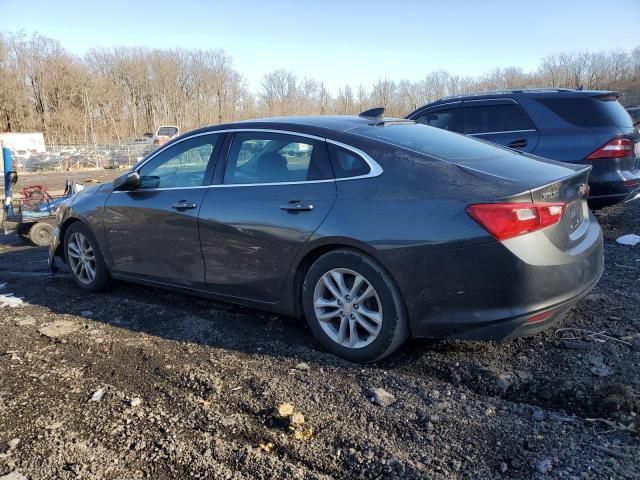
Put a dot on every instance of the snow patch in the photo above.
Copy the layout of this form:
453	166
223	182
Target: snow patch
631	239
8	300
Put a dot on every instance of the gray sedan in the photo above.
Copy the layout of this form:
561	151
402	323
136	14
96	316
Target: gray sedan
373	229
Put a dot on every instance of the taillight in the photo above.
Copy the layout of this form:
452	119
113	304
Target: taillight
618	148
507	220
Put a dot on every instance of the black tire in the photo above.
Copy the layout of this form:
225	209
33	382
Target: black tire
394	330
41	234
102	278
23	229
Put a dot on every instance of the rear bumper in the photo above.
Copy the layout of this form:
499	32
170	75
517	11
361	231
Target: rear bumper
609	187
526	325
491	291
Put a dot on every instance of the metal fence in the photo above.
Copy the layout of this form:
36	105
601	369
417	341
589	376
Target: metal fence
73	157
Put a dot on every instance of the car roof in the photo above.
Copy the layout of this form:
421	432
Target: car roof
340	123
537	92
313	124
515	93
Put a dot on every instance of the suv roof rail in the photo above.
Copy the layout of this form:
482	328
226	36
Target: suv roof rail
512	90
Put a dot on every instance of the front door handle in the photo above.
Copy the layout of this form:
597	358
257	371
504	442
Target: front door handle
519	143
183	205
296	206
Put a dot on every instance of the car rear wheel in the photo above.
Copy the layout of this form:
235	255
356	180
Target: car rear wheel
353	306
84	259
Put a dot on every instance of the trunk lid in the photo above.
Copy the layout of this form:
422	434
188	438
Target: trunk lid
572	191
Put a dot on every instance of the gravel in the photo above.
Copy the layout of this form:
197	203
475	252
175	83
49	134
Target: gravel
191	386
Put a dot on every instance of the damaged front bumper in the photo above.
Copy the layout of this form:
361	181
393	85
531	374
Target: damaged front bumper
54	248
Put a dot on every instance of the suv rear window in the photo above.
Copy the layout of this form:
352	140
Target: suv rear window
588	111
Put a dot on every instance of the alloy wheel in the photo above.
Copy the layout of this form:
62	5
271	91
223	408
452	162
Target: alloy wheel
82	259
348	308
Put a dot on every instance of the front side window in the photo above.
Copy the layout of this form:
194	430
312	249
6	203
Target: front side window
495	118
265	157
181	165
446	119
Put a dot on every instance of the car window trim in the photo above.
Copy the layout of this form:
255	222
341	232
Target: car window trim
503	131
374	168
492	101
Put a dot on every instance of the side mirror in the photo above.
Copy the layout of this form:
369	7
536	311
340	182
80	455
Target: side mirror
128	181
12	176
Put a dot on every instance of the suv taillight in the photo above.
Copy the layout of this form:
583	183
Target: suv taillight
618	148
507	220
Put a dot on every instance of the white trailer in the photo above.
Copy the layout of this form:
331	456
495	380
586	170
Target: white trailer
23	142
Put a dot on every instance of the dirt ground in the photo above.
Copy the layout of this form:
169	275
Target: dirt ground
186	388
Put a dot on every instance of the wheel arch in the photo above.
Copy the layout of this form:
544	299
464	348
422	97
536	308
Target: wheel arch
315	250
62	229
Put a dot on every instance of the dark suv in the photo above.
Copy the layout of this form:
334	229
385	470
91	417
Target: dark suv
576	126
634	112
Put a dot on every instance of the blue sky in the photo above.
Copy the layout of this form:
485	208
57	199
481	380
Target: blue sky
340	41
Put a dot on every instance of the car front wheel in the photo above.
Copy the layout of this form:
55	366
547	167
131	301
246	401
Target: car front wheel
84	259
353	306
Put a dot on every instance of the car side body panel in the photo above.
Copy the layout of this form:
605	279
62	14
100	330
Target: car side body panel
249	240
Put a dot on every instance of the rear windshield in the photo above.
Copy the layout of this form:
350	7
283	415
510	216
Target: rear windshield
588	111
167	131
434	142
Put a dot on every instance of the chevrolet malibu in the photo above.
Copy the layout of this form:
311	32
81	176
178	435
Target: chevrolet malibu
373	229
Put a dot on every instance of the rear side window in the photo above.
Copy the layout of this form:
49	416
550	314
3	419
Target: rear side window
588	112
495	118
448	119
265	157
347	164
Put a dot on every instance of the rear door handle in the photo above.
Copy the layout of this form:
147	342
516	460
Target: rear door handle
296	206
183	205
519	143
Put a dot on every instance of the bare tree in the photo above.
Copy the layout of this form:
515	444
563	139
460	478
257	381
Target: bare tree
115	94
